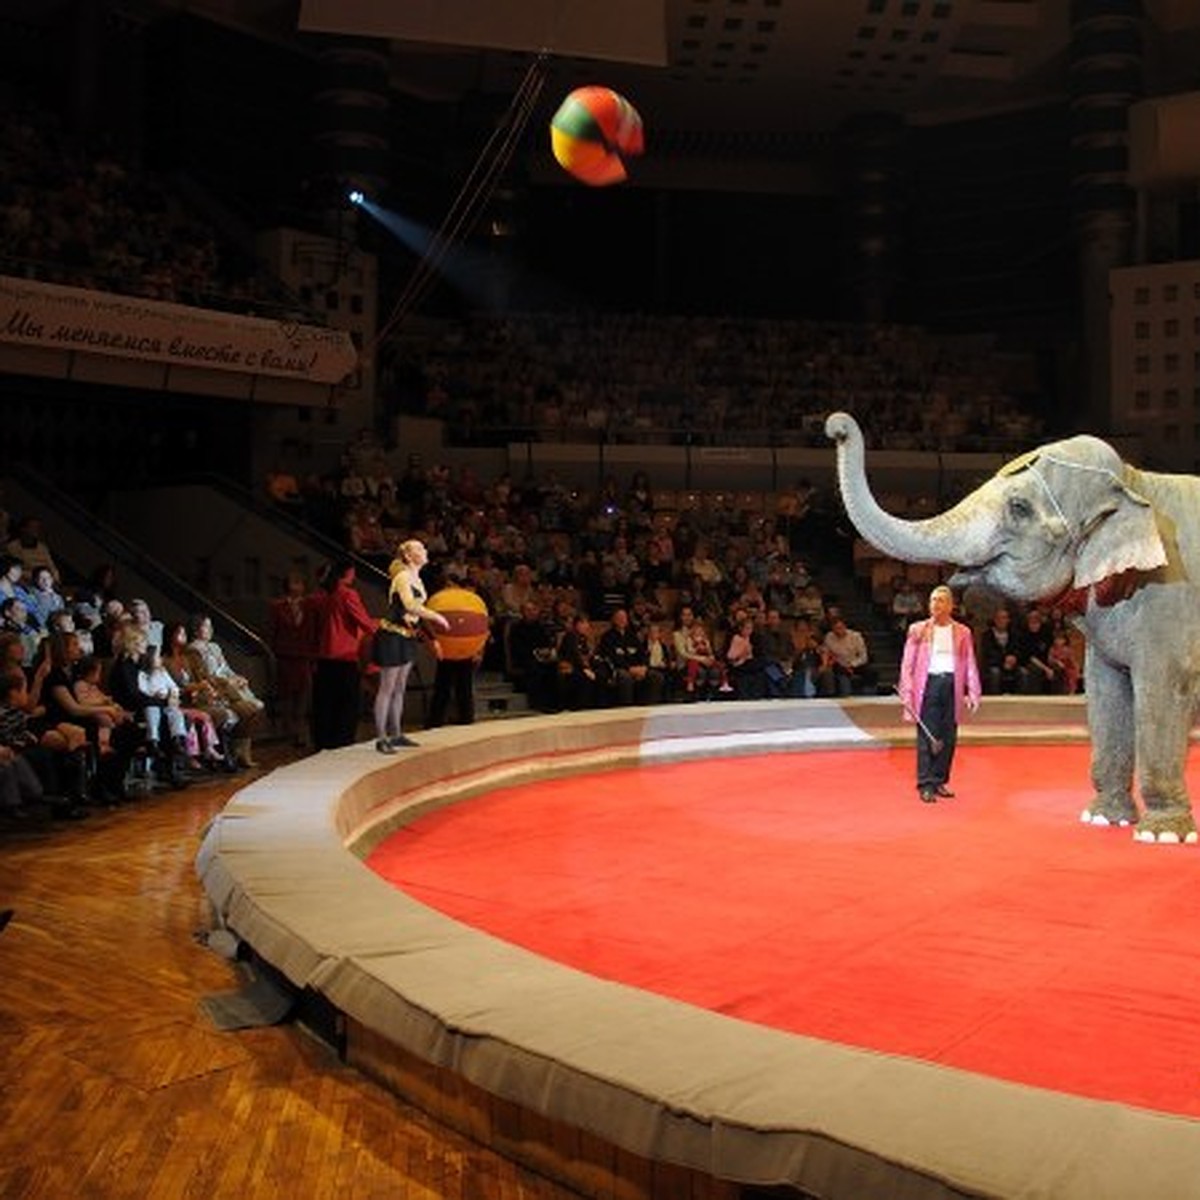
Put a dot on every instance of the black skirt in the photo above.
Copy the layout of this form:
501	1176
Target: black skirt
393	649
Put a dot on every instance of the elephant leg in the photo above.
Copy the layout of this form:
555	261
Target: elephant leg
1110	722
1163	709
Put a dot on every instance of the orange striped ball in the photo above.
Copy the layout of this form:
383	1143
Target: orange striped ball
468	617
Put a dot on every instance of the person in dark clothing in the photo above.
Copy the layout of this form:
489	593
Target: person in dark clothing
453	680
40	773
1034	642
773	648
999	658
578	667
162	725
531	656
627	676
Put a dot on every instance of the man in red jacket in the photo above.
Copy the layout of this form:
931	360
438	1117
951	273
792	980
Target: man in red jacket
342	622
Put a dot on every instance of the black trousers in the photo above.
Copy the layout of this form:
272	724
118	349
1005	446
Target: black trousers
455	677
938	717
336	703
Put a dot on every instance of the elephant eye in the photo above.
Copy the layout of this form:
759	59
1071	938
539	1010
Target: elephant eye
1019	508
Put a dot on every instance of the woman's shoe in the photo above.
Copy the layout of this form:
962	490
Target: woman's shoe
385	746
401	739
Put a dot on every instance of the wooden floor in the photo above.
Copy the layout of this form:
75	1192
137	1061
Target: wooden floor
113	1083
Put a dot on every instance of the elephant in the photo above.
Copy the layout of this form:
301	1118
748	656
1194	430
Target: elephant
1072	524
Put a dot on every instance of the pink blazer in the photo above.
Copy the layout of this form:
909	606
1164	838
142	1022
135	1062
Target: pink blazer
914	669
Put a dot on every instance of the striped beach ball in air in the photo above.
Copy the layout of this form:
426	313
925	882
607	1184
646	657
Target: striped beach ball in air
592	133
468	617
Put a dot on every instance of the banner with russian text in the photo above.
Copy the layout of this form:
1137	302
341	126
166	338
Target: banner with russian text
68	318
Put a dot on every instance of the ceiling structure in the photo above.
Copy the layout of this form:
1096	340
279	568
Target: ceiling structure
719	80
766	65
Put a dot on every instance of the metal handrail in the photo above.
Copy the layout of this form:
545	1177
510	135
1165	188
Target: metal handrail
128	553
244	497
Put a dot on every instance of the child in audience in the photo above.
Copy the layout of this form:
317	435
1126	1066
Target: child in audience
194	726
1065	666
91	694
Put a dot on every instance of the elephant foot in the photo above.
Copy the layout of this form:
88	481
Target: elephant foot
1110	810
1167	829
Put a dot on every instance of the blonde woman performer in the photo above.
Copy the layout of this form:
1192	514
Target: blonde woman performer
396	642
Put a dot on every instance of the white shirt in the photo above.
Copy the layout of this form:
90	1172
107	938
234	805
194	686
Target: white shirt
941	660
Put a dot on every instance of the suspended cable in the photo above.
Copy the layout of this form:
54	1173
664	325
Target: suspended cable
475	192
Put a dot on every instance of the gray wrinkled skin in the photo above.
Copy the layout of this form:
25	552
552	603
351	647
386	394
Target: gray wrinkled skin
1071	523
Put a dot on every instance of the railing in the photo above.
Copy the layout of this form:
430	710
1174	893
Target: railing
129	555
281	518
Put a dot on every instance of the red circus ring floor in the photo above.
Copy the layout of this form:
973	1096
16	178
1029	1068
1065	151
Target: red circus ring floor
981	997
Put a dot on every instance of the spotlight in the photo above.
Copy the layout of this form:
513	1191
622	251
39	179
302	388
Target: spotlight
356	197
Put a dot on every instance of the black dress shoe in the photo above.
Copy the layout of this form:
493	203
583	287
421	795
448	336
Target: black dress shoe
943	791
384	746
403	740
928	796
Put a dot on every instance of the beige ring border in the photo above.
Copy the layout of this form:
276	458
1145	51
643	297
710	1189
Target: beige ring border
674	1086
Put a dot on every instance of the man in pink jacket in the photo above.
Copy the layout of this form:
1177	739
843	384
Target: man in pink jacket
938	676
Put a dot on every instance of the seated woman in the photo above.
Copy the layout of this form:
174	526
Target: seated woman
212	719
165	728
208	662
62	707
703	672
44	770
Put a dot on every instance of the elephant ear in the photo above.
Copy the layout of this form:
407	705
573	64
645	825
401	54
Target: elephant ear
1121	535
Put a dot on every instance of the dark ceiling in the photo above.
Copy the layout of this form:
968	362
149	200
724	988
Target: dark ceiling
797	66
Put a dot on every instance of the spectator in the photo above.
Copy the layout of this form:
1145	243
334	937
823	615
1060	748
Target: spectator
627	677
212	718
209	663
151	628
1034	654
577	665
62	707
999	657
12	569
292	636
15	618
773	648
44	598
1064	664
702	674
29	545
661	662
810	660
747	672
89	691
31	772
162	723
173	731
532	661
906	606
849	671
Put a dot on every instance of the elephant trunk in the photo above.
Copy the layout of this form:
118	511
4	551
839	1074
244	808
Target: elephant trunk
962	535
